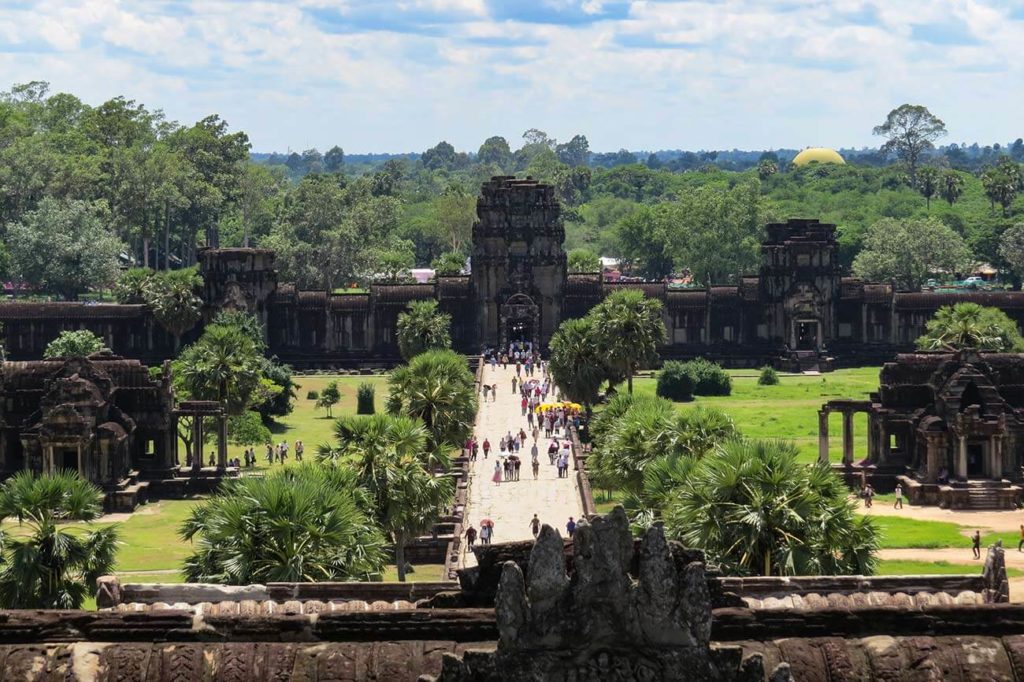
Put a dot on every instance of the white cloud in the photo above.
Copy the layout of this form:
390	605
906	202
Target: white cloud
400	76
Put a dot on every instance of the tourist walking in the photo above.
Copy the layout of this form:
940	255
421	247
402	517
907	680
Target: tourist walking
976	544
570	528
899	497
497	473
470	536
1021	543
535	526
487	448
494	392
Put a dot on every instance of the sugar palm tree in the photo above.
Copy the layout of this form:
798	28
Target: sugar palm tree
223	365
970	326
754	509
422	327
576	365
393	462
172	297
629	331
49	566
303	524
437	388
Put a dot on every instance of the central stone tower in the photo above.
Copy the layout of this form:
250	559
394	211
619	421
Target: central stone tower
518	263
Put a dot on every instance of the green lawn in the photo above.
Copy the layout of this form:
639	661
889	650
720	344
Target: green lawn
789	409
308	424
898	533
898	567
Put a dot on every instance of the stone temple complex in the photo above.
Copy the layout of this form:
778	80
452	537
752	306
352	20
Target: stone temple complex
797	311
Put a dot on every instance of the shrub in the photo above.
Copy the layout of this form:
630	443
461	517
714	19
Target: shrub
312	395
769	377
675	382
708	378
364	398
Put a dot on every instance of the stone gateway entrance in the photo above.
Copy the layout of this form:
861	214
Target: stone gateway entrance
520	321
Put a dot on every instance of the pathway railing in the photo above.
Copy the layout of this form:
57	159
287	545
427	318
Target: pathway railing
579	460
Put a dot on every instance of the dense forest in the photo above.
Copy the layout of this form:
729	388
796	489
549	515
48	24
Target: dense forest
87	191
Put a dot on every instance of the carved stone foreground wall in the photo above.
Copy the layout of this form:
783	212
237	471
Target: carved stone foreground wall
601	624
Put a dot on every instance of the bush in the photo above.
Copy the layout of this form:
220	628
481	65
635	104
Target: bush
675	382
769	377
708	378
312	395
364	398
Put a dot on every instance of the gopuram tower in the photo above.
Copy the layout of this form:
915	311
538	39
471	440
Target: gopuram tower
518	263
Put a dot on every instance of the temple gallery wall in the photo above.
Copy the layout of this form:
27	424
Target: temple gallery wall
797	311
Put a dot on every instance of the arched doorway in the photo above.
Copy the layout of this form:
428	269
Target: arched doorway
519	320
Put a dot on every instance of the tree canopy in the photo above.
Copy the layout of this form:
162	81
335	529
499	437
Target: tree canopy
971	326
73	344
909	252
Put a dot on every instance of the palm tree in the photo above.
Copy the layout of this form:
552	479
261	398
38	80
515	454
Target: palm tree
223	365
754	509
303	524
951	186
576	365
970	326
422	327
437	388
629	331
172	297
393	463
50	567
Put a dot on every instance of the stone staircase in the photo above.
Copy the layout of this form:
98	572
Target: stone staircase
983	495
805	360
129	493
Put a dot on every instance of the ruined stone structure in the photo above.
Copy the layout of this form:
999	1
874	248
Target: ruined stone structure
798	311
107	418
104	417
948	426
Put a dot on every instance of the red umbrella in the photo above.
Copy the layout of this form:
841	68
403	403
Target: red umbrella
486	522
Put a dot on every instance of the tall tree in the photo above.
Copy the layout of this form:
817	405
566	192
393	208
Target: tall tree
172	296
437	388
334	159
421	327
951	186
302	524
910	130
46	563
928	182
576	364
575	152
223	365
495	150
63	247
629	330
1002	183
392	462
908	252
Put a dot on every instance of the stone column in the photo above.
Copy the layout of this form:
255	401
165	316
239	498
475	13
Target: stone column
222	442
961	459
197	443
883	444
823	435
932	463
847	438
995	447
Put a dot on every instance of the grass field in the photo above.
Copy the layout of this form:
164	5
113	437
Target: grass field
308	424
152	551
895	567
789	409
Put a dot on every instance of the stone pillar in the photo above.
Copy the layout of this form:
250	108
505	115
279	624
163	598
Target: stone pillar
883	444
222	442
847	438
197	443
961	459
823	435
995	447
932	456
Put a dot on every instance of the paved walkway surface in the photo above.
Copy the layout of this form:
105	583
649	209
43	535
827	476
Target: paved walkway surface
511	504
983	519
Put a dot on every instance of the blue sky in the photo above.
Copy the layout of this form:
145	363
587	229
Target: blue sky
641	74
